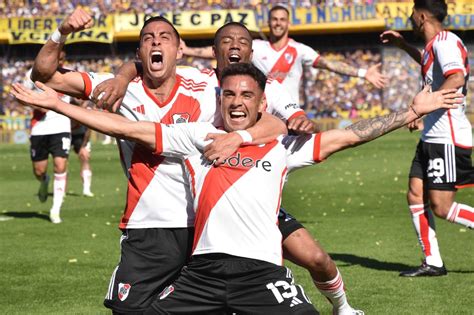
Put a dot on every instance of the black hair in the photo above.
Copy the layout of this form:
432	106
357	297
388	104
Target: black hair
160	19
220	29
276	8
244	69
437	8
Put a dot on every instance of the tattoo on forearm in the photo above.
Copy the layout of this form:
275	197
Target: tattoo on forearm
338	67
369	129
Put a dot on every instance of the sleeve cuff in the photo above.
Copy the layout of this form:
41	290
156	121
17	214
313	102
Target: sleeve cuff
158	139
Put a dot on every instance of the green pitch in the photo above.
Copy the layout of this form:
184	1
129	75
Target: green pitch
353	203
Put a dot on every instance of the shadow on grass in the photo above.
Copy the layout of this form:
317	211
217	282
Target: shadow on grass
372	263
27	215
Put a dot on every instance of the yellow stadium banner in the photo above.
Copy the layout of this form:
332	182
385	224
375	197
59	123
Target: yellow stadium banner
397	15
188	23
38	30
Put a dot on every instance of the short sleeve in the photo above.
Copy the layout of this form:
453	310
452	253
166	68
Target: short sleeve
302	150
309	56
280	103
448	52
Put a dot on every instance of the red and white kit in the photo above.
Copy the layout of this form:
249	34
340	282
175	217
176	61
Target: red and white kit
237	203
443	55
158	194
279	101
284	65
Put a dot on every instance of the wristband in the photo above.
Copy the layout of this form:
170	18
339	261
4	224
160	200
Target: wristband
246	136
361	73
413	109
57	37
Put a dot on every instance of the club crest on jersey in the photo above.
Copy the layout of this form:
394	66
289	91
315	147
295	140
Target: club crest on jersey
123	290
288	57
167	291
181	118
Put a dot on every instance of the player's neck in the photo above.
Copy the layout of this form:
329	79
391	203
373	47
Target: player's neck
431	30
279	43
161	89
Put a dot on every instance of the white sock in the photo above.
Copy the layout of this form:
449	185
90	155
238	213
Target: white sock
334	291
86	181
424	224
461	214
58	192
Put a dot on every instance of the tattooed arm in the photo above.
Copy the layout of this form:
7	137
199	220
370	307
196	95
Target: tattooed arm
369	129
372	74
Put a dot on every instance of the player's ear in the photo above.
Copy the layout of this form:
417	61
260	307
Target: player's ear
214	54
179	53
251	55
137	53
263	103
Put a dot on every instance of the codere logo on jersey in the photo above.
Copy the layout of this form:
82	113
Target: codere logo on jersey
123	290
238	161
181	118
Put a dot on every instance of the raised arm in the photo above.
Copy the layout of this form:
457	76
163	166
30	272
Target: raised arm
200	52
369	129
110	93
47	69
111	124
396	39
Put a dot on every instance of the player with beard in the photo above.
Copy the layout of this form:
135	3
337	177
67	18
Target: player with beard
442	162
158	219
233	44
236	262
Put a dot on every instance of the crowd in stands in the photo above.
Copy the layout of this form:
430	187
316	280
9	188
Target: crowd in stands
325	94
35	8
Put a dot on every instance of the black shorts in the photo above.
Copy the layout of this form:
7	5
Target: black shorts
442	166
287	223
57	145
150	260
77	140
224	284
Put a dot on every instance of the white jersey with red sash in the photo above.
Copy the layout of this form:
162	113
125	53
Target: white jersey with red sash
446	54
158	194
284	65
237	203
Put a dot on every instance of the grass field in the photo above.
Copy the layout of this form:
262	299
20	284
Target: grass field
354	204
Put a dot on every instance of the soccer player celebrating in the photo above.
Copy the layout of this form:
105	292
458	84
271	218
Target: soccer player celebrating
282	58
442	161
233	44
158	220
236	260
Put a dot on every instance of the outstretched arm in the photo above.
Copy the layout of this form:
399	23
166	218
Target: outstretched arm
372	74
396	39
46	67
111	124
200	52
369	129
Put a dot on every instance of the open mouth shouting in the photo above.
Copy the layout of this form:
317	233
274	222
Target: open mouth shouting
234	57
156	61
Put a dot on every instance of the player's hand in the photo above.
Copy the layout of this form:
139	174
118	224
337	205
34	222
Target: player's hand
417	124
47	98
110	93
222	146
425	102
375	76
392	38
76	21
84	154
302	125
